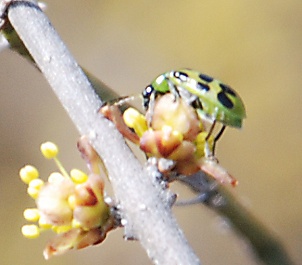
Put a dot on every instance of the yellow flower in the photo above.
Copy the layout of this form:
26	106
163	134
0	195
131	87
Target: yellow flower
72	206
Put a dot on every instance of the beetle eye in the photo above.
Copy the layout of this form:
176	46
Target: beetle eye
181	76
146	96
148	91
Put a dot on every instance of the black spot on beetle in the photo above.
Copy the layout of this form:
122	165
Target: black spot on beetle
206	78
224	100
181	76
203	87
227	89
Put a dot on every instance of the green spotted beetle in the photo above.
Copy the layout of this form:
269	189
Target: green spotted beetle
212	99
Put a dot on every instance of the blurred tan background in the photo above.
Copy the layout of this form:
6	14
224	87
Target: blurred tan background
255	46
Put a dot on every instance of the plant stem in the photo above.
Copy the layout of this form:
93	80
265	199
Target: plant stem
150	221
264	244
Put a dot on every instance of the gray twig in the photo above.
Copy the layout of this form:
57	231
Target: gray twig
146	214
265	245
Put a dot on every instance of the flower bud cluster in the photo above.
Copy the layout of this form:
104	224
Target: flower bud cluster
174	132
171	129
72	205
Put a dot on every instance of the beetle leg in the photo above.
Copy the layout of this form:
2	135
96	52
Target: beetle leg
113	113
211	130
173	89
150	110
217	137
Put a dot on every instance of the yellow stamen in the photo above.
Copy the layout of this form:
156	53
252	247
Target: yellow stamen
44	224
49	150
61	168
30	231
200	143
34	187
55	177
78	176
136	121
61	229
31	215
28	173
